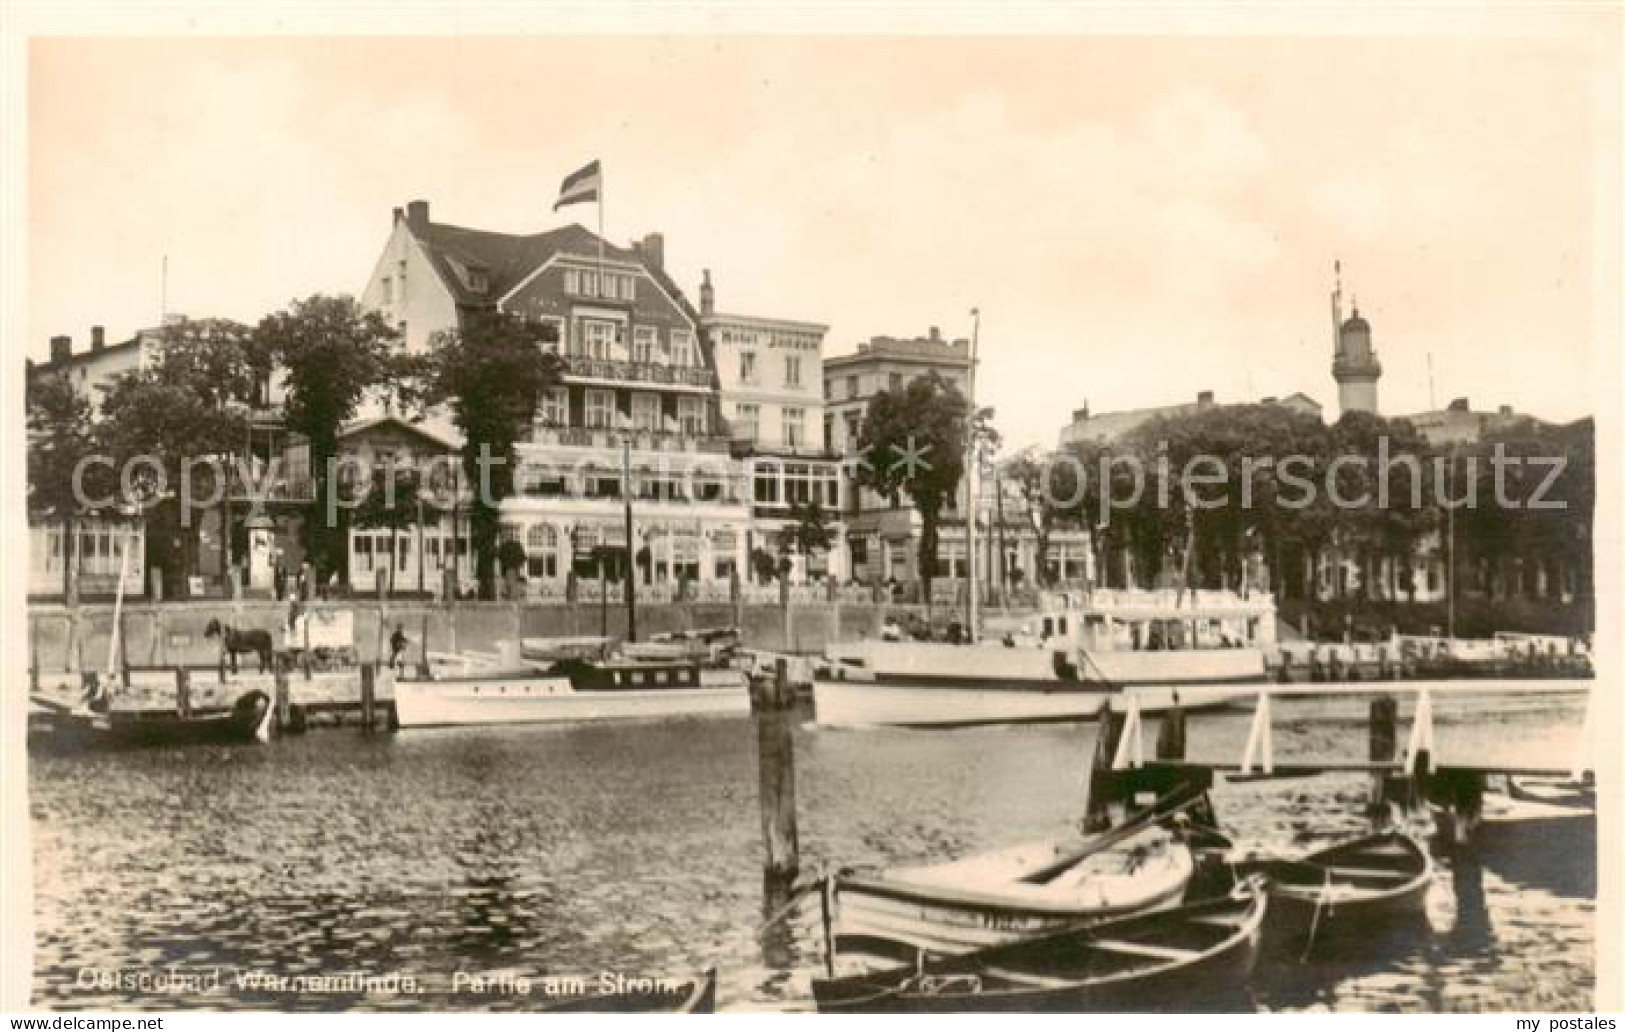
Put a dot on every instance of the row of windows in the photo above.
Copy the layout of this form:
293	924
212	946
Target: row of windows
792	424
748	369
797	483
601	413
607	339
854	384
614	286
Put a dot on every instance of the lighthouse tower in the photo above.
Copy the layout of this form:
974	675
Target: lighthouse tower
1354	364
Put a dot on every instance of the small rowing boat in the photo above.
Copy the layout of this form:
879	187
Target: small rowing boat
1346	888
1015	893
1181	959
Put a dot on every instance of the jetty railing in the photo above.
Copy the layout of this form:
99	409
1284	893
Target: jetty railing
1258	754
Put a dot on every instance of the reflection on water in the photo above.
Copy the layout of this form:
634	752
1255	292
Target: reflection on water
567	851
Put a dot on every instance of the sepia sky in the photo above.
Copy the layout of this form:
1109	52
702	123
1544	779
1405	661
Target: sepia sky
1137	218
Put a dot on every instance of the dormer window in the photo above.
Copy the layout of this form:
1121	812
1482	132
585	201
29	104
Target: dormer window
478	281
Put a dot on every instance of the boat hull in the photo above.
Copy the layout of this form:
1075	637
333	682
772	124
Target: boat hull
860	704
982	901
539	700
245	722
997	983
1326	898
906	664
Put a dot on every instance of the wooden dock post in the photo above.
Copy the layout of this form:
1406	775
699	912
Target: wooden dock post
183	692
1171	733
1099	795
1383	746
369	714
776	756
282	701
423	646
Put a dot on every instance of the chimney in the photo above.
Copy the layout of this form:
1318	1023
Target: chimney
1204	399
98	338
708	295
417	215
654	251
1080	414
400	213
936	333
1506	410
1268	401
1459	405
61	349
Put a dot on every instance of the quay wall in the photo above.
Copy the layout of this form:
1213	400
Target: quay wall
170	634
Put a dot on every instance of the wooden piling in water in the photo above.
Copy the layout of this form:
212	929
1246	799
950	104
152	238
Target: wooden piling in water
423	647
282	701
1171	734
776	758
183	692
1382	747
1101	794
369	714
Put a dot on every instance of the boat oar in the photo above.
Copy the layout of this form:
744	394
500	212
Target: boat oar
1179	799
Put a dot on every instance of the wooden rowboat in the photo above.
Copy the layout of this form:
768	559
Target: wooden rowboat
645	996
1347	888
1182	959
1011	894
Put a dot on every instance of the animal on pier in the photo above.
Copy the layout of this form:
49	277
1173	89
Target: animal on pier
235	641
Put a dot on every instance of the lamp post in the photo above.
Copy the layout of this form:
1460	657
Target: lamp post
972	468
631	558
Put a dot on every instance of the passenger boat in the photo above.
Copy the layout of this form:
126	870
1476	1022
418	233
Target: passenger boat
1345	889
1012	894
574	690
643	996
1056	666
1182	959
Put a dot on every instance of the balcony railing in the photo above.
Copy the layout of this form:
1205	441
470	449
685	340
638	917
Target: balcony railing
269	488
636	372
642	440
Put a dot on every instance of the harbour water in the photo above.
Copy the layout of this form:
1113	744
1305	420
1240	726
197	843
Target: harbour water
423	860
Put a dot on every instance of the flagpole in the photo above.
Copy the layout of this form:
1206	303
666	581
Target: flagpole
602	292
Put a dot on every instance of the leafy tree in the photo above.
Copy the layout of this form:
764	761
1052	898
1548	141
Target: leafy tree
914	439
807	532
492	373
333	353
1048	492
764	564
176	424
61	435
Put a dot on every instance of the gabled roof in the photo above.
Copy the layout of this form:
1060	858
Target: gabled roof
434	435
508	258
505	258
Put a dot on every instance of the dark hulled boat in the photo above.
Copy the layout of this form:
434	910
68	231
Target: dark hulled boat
1345	889
1180	959
246	721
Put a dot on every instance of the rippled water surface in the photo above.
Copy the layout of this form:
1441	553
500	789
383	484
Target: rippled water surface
636	848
